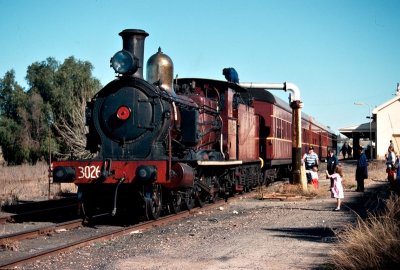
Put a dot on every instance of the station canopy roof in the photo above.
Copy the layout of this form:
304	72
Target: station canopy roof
362	130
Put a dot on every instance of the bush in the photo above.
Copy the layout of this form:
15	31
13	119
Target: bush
373	243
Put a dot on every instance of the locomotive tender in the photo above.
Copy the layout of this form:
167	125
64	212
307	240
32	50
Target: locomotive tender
165	145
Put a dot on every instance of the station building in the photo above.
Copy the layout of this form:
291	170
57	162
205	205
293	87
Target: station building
383	127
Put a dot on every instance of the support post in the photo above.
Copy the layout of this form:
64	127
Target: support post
299	176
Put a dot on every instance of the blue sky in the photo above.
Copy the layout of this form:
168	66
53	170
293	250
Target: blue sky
337	52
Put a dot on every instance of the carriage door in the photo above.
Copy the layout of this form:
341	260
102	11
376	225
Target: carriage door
262	137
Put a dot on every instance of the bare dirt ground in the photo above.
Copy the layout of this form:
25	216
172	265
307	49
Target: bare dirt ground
246	233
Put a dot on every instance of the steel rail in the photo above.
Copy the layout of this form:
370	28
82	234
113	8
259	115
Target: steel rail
9	238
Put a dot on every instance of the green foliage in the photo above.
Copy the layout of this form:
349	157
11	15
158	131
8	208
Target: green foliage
33	121
23	122
12	96
64	86
10	137
12	103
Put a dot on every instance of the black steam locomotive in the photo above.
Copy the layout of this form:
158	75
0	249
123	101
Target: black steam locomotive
166	145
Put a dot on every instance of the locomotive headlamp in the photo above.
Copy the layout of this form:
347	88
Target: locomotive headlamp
63	174
123	62
123	112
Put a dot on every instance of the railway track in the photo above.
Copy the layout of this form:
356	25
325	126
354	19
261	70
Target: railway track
28	234
39	214
107	234
34	211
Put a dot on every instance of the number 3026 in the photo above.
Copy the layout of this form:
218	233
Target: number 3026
89	172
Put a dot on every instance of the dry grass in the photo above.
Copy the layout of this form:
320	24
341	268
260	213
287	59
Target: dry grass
373	243
21	182
26	182
283	192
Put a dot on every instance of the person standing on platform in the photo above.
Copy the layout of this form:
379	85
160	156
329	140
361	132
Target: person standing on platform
310	160
349	151
361	170
337	189
331	164
390	166
314	177
344	150
397	166
391	144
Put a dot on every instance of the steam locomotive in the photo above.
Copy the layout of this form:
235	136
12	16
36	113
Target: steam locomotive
165	144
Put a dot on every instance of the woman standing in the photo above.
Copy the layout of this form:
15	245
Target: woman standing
337	189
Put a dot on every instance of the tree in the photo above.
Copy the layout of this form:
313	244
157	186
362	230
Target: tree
66	88
11	95
10	137
24	123
49	114
12	107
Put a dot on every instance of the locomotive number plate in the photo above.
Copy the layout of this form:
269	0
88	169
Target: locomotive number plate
89	172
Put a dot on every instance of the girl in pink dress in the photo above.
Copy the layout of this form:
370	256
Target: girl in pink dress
337	189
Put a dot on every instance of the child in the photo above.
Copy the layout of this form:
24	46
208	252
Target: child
337	189
390	166
314	176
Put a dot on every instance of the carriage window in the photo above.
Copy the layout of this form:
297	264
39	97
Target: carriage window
305	135
287	133
284	129
279	128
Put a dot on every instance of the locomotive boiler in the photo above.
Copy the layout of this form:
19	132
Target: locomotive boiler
163	144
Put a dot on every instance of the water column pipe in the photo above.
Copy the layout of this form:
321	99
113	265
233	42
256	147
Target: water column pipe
298	172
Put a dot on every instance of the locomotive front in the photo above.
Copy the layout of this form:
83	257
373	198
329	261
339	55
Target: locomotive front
129	121
128	118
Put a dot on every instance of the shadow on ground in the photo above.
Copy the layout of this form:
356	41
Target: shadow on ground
315	234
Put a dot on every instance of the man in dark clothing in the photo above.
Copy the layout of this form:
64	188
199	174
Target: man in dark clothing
344	150
361	170
331	164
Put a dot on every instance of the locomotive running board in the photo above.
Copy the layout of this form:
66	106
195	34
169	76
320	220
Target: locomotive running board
218	163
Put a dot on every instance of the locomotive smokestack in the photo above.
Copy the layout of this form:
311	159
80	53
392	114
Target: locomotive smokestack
133	42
